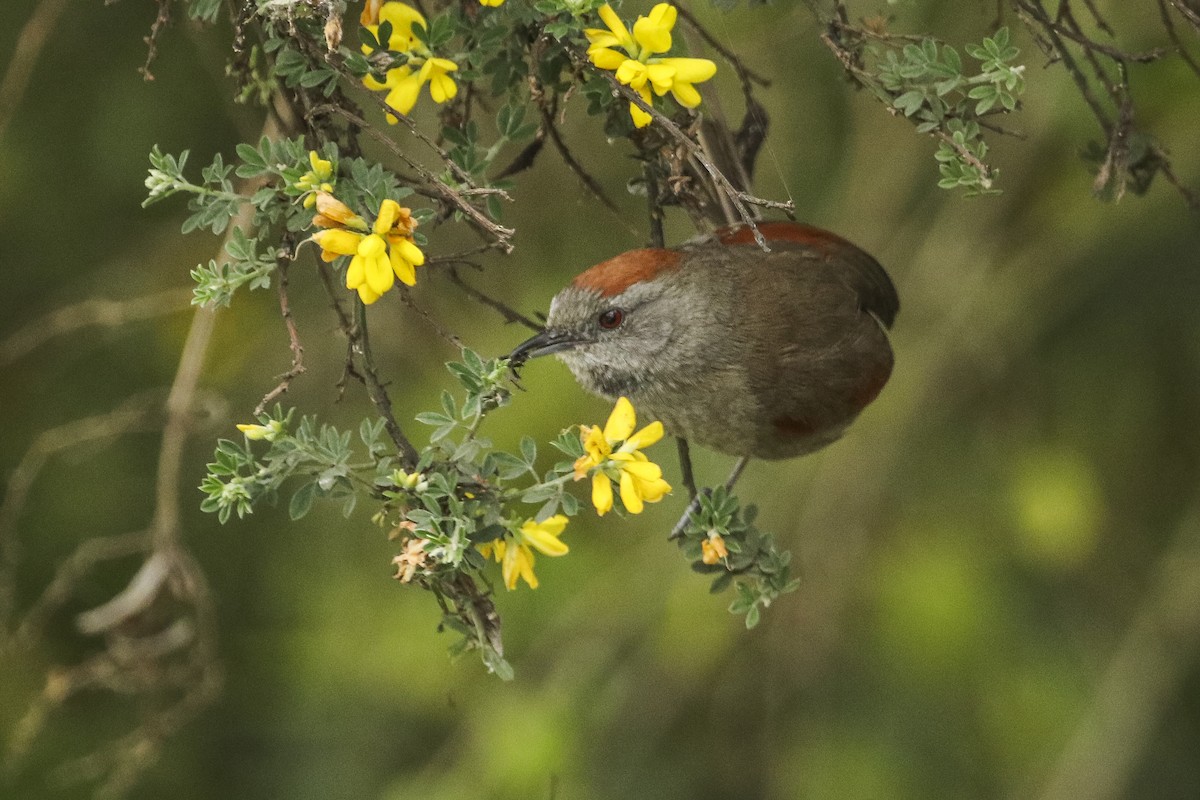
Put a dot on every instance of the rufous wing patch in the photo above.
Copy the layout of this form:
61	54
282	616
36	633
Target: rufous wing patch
797	232
614	276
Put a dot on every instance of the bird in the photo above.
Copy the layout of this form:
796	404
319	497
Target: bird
757	353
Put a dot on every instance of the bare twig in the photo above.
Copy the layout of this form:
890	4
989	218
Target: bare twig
285	381
93	312
360	346
1169	24
744	73
590	183
497	232
135	414
407	299
741	200
510	314
156	28
29	43
694	505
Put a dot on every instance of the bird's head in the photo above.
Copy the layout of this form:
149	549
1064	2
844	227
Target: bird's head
612	323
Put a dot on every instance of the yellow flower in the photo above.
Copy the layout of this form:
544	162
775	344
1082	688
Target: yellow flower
516	557
640	480
713	549
403	83
492	3
377	258
402	18
639	66
258	433
315	180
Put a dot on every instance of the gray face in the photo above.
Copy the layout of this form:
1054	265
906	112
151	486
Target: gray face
611	344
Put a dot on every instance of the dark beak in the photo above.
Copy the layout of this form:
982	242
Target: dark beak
547	342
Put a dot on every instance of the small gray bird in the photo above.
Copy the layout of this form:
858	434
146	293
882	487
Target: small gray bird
770	355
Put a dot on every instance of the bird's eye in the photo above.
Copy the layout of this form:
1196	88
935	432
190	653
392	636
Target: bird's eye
611	318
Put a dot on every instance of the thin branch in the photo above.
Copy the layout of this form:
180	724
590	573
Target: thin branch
510	314
739	198
407	299
135	414
29	44
694	505
156	28
744	73
94	312
499	233
283	262
590	183
360	346
1169	24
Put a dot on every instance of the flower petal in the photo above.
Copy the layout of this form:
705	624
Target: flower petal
410	252
691	70
641	118
366	295
389	210
442	87
632	73
330	209
380	276
402	268
338	240
403	17
403	95
543	536
661	77
644	470
356	273
685	94
644	438
602	495
607	58
629	494
615	25
621	421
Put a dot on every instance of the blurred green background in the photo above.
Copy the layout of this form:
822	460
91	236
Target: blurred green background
1000	562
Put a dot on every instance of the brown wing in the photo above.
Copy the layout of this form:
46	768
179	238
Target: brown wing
862	273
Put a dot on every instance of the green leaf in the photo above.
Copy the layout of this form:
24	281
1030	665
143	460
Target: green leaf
302	500
753	616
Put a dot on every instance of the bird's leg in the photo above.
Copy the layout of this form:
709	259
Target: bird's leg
685	467
694	505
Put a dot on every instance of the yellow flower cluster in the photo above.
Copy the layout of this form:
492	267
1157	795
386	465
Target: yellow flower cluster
317	179
640	480
403	84
635	58
380	253
516	555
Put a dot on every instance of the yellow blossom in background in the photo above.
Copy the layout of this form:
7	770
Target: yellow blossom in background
713	548
318	179
639	67
379	254
403	83
492	3
640	480
516	557
259	433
